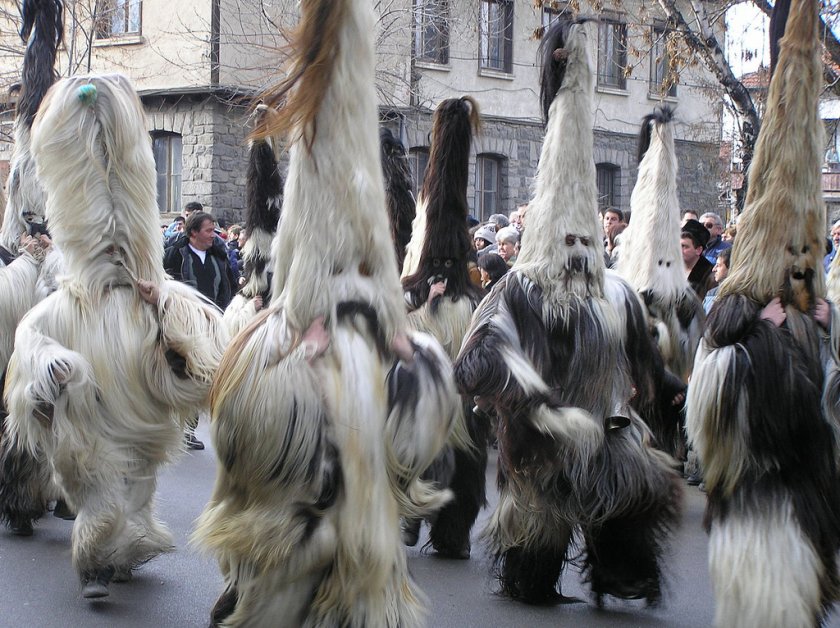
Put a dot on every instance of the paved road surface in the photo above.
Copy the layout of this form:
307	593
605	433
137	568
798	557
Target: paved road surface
38	587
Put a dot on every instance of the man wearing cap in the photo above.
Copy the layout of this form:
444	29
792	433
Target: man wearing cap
698	269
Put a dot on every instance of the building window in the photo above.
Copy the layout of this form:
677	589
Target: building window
553	10
496	35
488	186
167	152
608	175
418	159
117	17
431	31
612	52
663	79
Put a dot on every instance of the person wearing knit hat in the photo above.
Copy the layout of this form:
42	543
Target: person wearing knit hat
650	259
557	349
763	403
326	408
442	298
485	239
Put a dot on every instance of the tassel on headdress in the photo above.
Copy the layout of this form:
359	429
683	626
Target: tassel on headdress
442	229
780	241
264	201
398	194
42	29
563	228
651	258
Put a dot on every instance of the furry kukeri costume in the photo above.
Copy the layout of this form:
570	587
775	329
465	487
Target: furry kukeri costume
764	402
26	277
557	348
264	195
99	375
444	257
321	446
651	261
398	194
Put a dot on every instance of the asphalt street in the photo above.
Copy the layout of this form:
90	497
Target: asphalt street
38	587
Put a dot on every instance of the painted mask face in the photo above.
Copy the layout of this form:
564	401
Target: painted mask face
799	276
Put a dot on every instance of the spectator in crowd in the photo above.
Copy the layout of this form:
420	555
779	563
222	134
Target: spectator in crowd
506	240
199	259
835	242
720	271
611	247
729	234
234	251
690	214
698	269
714	224
171	234
517	218
612	216
500	220
492	268
485	239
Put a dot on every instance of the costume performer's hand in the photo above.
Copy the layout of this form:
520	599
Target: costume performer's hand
316	340
774	312
258	303
28	244
436	290
149	292
403	348
44	242
822	313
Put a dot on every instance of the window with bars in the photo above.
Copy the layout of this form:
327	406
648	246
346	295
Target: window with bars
167	151
551	11
431	31
118	17
488	185
418	159
496	35
608	178
663	80
612	52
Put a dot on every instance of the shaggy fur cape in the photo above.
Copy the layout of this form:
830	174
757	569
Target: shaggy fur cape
99	377
557	347
763	408
264	201
319	457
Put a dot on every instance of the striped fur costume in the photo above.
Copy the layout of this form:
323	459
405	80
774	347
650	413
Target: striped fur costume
557	348
321	445
764	402
441	247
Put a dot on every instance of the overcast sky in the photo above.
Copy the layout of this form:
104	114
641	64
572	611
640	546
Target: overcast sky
747	38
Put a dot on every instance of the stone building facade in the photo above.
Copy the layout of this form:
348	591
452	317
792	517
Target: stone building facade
195	85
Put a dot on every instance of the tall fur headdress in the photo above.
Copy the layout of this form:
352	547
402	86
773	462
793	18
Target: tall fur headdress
443	234
651	258
565	205
329	109
42	29
780	240
264	201
94	158
398	193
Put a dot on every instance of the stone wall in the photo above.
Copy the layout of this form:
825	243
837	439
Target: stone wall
519	143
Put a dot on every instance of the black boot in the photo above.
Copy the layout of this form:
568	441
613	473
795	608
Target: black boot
62	511
95	584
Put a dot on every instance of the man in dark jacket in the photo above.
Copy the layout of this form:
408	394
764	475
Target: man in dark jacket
199	259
